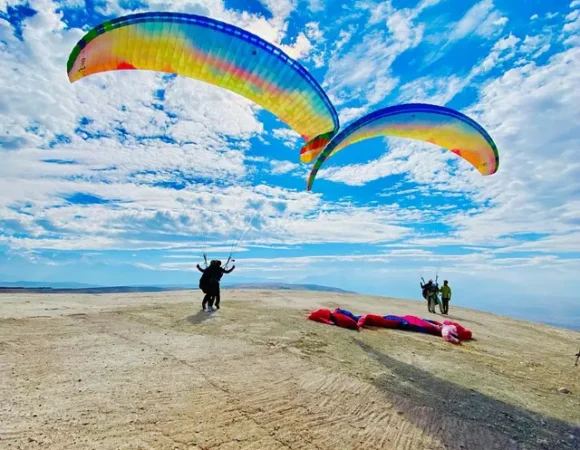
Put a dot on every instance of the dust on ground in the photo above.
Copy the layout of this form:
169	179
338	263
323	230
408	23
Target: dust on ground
152	371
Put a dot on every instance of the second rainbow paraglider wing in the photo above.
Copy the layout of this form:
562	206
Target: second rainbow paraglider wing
437	125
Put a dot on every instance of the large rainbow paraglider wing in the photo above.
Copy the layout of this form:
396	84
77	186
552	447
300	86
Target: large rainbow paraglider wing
438	125
217	53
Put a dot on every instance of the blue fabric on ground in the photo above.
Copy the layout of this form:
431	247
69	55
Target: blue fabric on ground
348	313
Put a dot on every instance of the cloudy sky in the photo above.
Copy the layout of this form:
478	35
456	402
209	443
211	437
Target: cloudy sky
127	177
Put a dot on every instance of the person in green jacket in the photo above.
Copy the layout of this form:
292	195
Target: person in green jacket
445	297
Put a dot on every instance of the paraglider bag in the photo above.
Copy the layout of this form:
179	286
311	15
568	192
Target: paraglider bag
209	282
205	282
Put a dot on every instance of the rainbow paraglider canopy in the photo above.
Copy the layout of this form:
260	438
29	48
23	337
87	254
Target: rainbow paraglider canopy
437	125
217	53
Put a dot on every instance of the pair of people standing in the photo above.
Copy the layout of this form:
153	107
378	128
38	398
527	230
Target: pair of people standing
431	293
209	283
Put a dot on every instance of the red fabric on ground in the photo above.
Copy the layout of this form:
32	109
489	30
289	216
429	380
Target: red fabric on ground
373	320
463	333
322	315
427	327
344	321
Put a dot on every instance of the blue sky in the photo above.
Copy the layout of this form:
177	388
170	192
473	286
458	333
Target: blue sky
125	178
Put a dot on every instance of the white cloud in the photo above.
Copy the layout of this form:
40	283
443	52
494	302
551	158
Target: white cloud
273	30
572	41
344	36
572	25
573	15
570	32
314	33
378	11
535	46
480	19
288	136
534	17
391	265
427	4
502	51
437	91
441	90
316	5
493	25
195	250
346	225
364	72
347	115
527	110
280	8
144	211
556	243
421	162
282	167
308	45
38	104
300	48
575	4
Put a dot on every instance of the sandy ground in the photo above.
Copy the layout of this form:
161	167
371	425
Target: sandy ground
151	371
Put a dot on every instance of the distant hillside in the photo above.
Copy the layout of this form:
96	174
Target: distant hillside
78	288
287	287
90	290
45	284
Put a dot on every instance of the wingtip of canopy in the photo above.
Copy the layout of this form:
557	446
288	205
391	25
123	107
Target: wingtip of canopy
310	151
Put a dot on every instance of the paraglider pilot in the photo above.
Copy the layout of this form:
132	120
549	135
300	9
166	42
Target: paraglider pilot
430	291
426	288
209	283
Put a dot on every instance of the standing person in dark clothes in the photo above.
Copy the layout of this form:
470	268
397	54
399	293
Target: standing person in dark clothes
425	288
427	291
221	274
204	283
209	283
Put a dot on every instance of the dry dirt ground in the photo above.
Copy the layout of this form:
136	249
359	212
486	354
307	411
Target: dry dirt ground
151	371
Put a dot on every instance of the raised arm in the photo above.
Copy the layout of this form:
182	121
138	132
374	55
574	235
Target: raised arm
229	270
200	269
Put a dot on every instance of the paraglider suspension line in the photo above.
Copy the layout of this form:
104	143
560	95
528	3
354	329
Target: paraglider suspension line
242	236
244	231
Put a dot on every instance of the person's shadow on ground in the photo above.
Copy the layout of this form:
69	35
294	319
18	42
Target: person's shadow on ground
200	317
464	419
